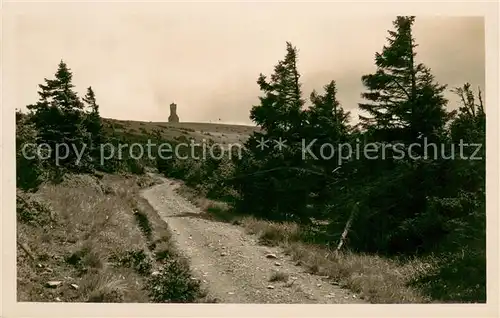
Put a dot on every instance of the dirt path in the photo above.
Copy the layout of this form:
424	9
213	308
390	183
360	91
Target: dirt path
231	264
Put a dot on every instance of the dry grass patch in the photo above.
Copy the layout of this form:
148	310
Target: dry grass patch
111	287
278	277
374	278
74	249
217	210
94	238
272	233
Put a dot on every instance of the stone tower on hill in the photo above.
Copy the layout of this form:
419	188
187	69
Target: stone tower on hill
173	118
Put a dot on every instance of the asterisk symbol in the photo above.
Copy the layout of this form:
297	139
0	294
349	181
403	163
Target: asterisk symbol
280	144
262	143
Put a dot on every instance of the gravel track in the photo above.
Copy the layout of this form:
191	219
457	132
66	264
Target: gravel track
231	264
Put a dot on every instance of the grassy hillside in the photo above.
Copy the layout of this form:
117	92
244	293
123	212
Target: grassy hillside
222	134
94	239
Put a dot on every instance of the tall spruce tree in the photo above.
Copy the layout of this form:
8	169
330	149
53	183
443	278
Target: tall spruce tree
404	104
326	117
93	122
404	101
279	112
268	173
327	123
59	116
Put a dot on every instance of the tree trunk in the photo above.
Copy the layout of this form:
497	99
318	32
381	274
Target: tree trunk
347	227
26	249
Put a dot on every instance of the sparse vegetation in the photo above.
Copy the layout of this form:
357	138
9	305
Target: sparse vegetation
138	260
397	230
278	277
173	283
96	243
143	222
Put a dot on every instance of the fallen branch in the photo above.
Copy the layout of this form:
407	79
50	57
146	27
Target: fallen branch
347	227
26	249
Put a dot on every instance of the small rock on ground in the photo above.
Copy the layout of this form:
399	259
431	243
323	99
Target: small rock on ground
53	284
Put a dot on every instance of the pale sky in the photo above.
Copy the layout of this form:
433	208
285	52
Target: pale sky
208	62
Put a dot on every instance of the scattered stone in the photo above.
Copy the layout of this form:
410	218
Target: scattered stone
230	293
277	264
335	283
58	299
53	284
75	286
319	285
353	296
39	265
294	277
223	254
270	287
270	255
332	295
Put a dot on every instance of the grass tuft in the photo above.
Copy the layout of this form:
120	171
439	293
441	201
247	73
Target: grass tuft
278	277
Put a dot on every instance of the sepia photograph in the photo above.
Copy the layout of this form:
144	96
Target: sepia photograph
247	153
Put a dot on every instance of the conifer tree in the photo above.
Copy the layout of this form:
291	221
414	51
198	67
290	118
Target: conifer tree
279	115
93	122
29	172
470	122
326	116
405	104
327	123
404	101
280	108
58	115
